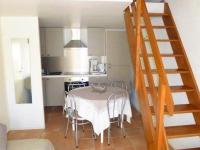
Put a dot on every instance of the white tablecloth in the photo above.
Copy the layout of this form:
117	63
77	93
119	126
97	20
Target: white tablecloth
92	106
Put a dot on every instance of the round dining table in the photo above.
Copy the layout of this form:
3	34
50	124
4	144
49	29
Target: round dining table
91	105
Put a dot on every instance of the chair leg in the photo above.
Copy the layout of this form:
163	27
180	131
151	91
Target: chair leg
63	110
67	127
94	135
109	135
118	122
83	127
123	130
76	132
122	126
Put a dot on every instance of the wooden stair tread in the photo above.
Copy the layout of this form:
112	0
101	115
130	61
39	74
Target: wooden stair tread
170	71
181	88
163	40
158	14
182	131
196	148
166	55
176	89
158	27
183	108
154	14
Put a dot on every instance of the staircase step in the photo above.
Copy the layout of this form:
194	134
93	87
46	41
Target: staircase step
196	148
166	55
159	27
170	71
158	14
183	131
163	40
181	89
176	89
183	108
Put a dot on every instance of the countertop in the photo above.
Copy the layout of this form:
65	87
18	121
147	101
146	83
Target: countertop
81	75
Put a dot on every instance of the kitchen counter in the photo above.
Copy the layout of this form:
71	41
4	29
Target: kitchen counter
66	76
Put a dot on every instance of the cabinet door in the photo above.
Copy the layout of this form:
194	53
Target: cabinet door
118	56
54	41
96	42
44	92
55	91
42	42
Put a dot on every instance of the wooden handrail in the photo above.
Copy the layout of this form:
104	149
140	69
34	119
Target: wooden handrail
138	40
160	139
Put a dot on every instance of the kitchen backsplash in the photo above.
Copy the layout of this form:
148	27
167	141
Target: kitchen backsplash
57	64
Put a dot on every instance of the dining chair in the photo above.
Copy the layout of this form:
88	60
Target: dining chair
120	84
71	86
73	118
115	108
99	84
75	85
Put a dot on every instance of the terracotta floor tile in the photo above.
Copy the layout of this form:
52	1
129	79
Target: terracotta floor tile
126	148
104	145
121	142
55	129
86	144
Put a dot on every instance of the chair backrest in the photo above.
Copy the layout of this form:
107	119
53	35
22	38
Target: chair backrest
74	85
115	104
101	84
71	106
120	84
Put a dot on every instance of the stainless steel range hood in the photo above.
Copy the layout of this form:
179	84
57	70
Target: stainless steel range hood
76	55
76	41
75	44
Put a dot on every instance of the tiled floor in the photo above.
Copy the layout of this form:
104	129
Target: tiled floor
55	133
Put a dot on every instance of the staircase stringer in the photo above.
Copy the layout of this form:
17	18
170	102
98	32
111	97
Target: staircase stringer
147	66
142	91
182	62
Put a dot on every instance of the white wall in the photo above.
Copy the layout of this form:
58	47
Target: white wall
3	100
23	116
186	15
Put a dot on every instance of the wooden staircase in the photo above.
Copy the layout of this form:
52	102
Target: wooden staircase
137	20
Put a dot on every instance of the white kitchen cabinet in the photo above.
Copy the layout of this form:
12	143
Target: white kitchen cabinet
51	42
42	42
118	56
54	41
96	41
54	89
44	92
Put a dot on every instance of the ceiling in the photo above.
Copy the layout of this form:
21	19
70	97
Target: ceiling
69	13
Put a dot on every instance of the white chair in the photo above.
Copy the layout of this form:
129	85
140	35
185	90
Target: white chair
75	85
99	84
73	118
71	86
116	103
120	84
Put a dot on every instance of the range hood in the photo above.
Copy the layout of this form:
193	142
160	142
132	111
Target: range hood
75	42
76	55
